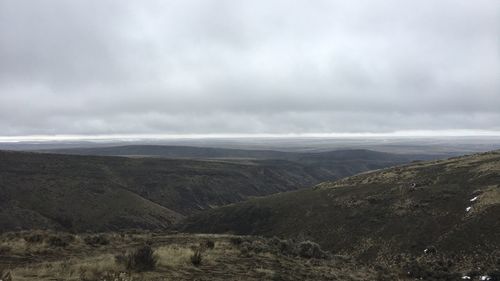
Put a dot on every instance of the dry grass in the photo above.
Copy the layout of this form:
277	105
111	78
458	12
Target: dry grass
265	271
489	197
174	252
72	269
174	255
14	247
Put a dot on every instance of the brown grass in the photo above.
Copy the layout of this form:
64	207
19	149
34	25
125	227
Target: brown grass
81	262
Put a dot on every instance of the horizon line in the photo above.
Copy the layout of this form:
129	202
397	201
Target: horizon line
138	137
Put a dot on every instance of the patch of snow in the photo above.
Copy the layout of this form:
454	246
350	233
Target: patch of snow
473	199
468	209
485	278
466	277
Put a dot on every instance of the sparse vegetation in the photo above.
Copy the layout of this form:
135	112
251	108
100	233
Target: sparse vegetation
431	270
98	193
34	238
208	244
176	257
308	249
417	209
97	240
196	258
60	241
402	224
141	259
285	247
236	240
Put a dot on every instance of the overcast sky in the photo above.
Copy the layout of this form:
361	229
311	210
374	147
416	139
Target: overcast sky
98	67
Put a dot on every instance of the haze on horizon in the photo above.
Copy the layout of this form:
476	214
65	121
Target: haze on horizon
89	68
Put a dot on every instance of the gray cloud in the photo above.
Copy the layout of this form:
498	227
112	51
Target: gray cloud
201	67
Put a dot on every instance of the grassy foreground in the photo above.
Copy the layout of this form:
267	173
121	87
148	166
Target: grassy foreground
45	255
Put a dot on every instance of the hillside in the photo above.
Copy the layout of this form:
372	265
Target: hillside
194	152
170	151
98	193
451	206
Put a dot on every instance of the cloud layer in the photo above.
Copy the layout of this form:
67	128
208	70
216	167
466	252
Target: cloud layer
266	67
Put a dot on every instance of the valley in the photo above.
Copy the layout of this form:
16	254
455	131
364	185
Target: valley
102	193
213	214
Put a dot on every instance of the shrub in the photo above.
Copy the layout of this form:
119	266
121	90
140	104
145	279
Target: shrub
4	249
122	259
274	241
209	244
55	241
236	240
286	247
142	259
96	240
196	258
245	249
259	247
34	238
308	249
60	240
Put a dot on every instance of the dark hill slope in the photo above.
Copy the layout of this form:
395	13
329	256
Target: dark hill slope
193	152
169	151
99	193
382	214
71	193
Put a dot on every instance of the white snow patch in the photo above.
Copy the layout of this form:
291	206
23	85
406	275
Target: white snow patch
473	199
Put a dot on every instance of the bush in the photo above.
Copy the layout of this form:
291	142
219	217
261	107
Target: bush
208	244
5	249
142	259
34	238
60	240
245	249
308	249
259	247
236	240
196	258
55	241
96	240
286	248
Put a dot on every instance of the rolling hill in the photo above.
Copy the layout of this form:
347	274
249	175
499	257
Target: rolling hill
194	152
450	206
96	193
